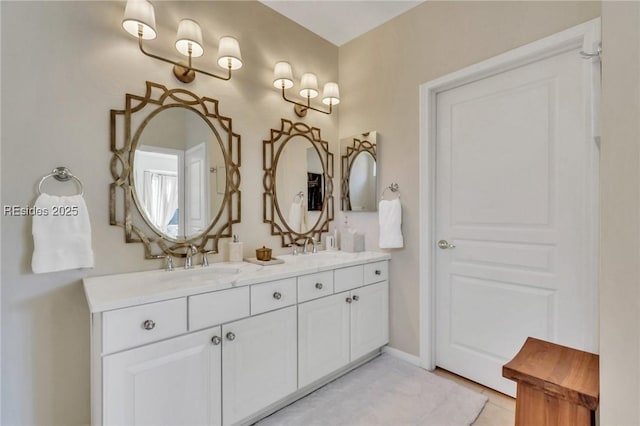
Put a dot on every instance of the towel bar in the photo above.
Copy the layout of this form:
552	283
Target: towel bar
61	174
394	187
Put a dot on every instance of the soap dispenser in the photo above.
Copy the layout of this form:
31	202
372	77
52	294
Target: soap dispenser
235	249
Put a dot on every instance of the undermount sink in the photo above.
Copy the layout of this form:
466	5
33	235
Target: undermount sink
319	257
211	273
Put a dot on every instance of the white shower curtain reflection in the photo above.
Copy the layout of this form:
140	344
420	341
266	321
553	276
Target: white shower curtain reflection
161	199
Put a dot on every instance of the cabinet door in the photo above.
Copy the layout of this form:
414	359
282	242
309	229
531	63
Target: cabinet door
369	318
174	382
323	337
259	362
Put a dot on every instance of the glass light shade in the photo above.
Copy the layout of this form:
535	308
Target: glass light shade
331	94
139	13
229	53
282	75
309	85
189	33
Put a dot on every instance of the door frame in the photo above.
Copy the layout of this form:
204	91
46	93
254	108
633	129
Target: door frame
585	36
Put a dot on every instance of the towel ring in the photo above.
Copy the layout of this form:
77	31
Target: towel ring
394	187
61	174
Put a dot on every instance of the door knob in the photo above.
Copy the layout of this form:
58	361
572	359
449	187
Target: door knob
444	244
231	336
216	340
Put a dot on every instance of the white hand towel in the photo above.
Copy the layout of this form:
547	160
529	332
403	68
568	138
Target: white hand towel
390	219
62	237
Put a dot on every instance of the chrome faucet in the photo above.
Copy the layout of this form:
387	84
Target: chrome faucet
168	263
313	243
191	250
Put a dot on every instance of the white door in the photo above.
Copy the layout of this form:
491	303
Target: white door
369	318
323	337
196	190
259	362
514	164
175	382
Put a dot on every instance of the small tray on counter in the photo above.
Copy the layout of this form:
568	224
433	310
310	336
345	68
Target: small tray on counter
273	261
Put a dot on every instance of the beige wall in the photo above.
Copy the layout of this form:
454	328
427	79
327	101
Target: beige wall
620	215
379	76
72	63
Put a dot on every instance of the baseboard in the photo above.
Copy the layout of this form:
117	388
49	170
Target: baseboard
411	359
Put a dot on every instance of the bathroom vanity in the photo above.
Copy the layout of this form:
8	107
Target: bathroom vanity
231	343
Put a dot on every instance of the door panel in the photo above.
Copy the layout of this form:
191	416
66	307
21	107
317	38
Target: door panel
168	383
512	197
259	364
369	318
323	337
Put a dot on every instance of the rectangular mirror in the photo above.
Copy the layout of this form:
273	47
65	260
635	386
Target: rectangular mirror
359	185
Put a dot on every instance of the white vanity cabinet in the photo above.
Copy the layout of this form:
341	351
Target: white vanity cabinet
232	350
336	330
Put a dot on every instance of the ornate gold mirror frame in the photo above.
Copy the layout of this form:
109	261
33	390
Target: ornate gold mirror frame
272	211
124	139
357	146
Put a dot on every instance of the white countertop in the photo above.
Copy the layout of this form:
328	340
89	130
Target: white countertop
117	291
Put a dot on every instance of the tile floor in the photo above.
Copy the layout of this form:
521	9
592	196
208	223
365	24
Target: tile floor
500	410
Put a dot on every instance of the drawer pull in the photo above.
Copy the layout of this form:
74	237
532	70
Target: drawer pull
148	325
349	300
378	272
231	336
216	340
319	286
277	295
356	297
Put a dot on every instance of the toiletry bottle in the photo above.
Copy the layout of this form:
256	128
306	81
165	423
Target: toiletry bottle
235	250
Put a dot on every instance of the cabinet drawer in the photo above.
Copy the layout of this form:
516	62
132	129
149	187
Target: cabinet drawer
376	272
316	285
348	278
206	310
135	326
273	295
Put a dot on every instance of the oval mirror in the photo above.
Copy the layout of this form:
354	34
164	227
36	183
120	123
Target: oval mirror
177	156
359	182
362	182
298	183
178	173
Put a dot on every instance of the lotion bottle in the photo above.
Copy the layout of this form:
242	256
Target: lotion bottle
235	250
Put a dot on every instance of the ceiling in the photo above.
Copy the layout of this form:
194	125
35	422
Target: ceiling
343	20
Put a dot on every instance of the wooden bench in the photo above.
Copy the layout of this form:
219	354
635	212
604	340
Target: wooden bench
557	385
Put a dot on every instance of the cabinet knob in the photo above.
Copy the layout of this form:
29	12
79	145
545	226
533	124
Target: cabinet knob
356	297
348	300
277	295
216	340
148	325
378	272
231	336
319	286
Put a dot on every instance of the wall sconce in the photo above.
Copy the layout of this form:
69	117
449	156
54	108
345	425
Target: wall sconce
283	79
140	21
